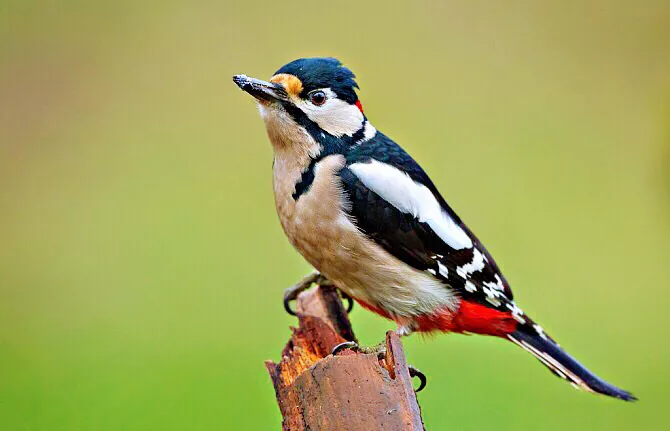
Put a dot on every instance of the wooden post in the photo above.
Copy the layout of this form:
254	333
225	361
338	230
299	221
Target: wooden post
350	391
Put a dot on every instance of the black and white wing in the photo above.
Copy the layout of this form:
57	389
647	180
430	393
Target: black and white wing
395	203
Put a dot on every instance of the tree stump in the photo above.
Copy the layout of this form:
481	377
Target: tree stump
351	391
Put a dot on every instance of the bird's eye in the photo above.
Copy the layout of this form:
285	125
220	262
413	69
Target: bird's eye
317	98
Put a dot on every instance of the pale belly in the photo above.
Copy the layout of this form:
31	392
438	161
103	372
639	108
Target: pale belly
321	231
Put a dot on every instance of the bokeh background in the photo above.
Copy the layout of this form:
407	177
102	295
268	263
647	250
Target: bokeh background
141	261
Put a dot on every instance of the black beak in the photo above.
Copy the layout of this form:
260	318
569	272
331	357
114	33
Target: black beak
261	90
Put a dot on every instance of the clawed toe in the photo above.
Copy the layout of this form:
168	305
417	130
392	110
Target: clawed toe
288	297
323	281
351	345
291	293
350	301
380	350
415	372
287	304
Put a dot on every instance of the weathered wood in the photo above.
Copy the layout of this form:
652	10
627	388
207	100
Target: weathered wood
352	391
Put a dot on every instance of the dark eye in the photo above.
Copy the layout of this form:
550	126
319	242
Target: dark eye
318	98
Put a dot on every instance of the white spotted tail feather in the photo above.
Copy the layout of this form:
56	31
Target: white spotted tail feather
562	364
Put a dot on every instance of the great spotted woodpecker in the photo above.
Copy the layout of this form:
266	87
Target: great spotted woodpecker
370	220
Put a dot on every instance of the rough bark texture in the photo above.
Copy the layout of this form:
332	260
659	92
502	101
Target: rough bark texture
351	391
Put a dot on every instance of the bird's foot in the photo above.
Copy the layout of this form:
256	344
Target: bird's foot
380	350
315	277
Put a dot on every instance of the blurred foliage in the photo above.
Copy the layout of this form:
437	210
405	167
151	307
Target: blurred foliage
141	262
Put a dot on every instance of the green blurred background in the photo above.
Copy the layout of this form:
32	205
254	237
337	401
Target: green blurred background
141	261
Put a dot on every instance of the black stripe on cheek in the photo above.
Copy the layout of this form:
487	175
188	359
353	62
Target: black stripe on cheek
306	179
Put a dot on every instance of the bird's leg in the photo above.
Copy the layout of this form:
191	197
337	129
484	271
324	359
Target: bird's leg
404	330
380	350
315	277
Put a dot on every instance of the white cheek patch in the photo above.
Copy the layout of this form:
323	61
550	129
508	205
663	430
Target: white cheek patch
410	197
336	116
369	132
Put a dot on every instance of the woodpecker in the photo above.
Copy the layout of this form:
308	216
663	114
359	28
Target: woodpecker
368	218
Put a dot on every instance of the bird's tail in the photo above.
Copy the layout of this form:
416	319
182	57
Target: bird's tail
531	338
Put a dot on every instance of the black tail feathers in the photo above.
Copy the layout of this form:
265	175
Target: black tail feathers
564	365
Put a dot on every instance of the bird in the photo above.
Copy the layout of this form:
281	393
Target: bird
369	219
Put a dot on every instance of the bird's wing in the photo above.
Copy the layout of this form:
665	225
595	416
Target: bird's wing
395	203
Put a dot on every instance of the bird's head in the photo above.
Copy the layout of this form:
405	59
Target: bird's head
316	95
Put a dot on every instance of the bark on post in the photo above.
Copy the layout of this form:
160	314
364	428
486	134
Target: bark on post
352	391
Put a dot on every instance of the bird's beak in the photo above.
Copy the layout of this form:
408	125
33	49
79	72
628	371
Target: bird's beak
261	90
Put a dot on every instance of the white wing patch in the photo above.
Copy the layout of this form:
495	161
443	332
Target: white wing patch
477	264
493	296
444	271
498	285
410	197
470	286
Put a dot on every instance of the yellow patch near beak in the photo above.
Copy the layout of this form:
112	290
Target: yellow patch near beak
291	83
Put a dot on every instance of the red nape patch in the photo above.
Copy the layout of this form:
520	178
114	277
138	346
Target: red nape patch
360	108
470	317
